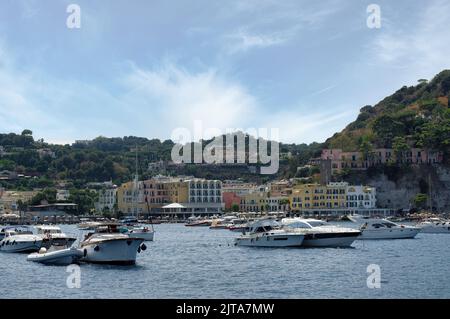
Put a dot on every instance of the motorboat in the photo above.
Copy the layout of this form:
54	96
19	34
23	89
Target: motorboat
108	246
60	255
268	233
16	229
239	225
52	235
321	234
141	232
435	226
194	221
17	242
88	225
219	223
222	223
384	229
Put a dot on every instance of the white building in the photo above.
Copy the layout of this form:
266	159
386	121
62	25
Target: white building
62	195
277	204
361	197
2	151
107	198
205	195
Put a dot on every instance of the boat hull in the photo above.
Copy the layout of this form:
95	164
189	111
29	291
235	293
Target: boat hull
397	233
61	257
330	240
279	240
20	247
116	251
147	236
48	242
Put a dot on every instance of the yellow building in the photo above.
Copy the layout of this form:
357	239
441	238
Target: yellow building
130	199
157	192
253	202
316	196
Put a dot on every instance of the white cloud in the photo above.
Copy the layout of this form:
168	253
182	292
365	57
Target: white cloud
295	127
243	40
423	47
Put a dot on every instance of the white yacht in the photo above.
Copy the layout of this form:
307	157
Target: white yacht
435	226
384	229
143	232
52	235
268	233
321	234
107	246
19	242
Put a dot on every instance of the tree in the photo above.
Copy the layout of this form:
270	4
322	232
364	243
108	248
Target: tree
84	198
399	146
27	132
235	207
420	201
47	195
386	128
366	148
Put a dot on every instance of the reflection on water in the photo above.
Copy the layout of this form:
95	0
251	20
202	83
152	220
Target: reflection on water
201	263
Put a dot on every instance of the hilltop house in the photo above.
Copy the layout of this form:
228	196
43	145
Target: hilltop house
358	161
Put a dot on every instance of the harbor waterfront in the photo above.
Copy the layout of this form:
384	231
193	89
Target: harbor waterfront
196	262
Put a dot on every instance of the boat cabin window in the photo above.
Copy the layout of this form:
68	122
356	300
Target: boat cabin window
378	226
316	223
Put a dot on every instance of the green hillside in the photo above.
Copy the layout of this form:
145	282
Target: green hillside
415	116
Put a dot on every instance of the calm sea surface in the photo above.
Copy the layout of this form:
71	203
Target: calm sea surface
201	263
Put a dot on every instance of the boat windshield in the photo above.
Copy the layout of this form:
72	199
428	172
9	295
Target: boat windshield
263	229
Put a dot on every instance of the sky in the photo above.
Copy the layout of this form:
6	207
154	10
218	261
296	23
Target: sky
148	67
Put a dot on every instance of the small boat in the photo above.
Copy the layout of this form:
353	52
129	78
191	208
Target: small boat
219	224
108	246
16	242
194	221
57	255
384	229
52	235
88	225
434	226
141	232
268	233
321	234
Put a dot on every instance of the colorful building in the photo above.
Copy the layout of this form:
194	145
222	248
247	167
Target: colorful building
357	161
195	195
316	196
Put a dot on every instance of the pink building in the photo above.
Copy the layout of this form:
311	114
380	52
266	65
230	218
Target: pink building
355	160
230	199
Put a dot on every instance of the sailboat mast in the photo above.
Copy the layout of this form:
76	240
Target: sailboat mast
136	190
429	194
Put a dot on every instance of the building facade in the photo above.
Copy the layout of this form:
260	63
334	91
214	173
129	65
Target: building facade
357	161
316	196
361	197
107	198
195	195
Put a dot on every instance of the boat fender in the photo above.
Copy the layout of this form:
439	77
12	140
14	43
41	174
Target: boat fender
143	247
129	242
85	252
13	243
139	250
97	248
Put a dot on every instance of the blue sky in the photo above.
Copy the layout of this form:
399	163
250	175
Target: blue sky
144	68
